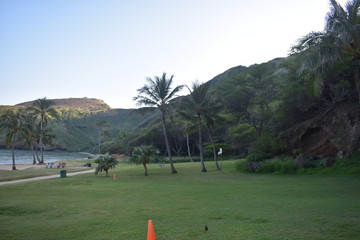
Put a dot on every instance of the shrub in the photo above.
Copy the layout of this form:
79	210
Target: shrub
241	166
264	147
285	165
343	166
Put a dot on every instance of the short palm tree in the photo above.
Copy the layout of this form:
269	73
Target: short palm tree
43	110
105	163
157	94
14	125
144	155
339	42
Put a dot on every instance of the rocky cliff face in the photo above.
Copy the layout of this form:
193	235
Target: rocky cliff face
335	133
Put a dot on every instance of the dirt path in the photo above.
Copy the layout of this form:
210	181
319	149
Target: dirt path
45	177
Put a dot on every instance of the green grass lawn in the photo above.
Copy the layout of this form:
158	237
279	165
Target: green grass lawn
233	205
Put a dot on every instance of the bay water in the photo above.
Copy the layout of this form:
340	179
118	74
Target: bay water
26	157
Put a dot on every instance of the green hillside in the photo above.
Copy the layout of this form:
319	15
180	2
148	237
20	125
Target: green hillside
76	130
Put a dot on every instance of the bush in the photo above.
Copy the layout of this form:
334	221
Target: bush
285	165
342	166
265	147
241	166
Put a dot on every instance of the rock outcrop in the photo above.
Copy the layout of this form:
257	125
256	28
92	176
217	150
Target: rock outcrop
335	133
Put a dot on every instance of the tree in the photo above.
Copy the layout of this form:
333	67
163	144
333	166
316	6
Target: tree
210	123
338	43
43	110
102	126
105	163
188	126
31	134
196	106
14	125
144	155
158	94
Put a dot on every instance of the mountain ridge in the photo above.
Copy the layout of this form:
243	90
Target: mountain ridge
90	104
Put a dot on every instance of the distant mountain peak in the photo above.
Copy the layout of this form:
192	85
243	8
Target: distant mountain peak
91	104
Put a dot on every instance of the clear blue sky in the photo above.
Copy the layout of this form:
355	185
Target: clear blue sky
106	48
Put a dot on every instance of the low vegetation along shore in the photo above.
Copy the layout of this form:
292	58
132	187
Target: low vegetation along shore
233	205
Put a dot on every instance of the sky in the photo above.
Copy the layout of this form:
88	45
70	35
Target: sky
106	49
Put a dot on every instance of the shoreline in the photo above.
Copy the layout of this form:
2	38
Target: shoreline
20	166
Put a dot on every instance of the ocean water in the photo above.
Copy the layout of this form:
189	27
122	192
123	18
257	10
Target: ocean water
25	156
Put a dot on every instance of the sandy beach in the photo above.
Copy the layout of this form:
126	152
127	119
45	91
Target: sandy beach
20	166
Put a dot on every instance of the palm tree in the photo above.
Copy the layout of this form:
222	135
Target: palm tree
158	94
105	163
188	129
144	155
43	110
209	126
32	134
196	106
14	125
339	42
102	125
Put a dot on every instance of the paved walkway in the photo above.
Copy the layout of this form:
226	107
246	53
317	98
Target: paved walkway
45	177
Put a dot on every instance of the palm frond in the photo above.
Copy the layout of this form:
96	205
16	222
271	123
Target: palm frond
172	94
142	100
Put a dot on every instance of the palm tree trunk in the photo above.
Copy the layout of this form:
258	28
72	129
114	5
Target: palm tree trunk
37	154
41	141
357	80
214	149
203	168
33	153
99	141
146	171
173	170
13	157
188	147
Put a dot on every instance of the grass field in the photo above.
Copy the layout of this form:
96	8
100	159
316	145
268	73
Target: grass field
233	205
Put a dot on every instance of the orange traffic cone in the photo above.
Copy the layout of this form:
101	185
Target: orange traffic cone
151	231
114	177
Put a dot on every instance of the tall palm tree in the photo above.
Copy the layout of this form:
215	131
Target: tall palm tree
102	125
14	125
196	106
158	94
32	134
188	128
210	123
43	110
339	42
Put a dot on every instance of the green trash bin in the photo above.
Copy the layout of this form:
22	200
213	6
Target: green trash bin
63	173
